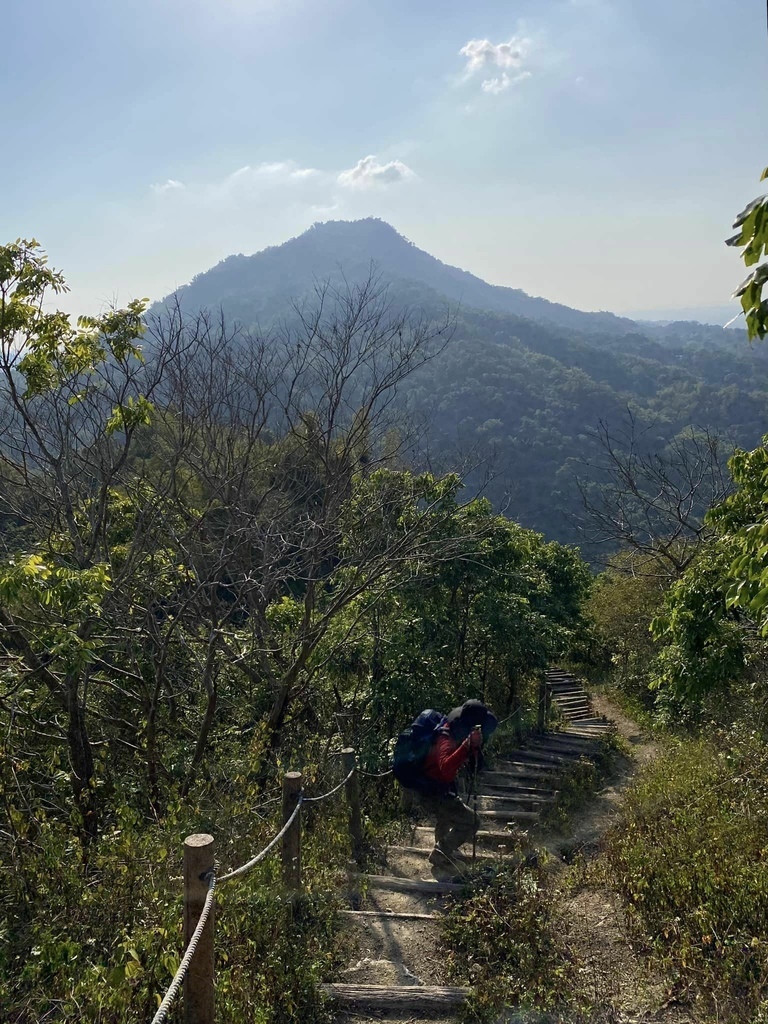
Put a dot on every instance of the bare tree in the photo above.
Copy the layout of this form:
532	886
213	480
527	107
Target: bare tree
652	501
292	440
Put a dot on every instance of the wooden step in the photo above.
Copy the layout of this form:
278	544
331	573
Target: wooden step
580	750
527	762
424	851
525	776
390	915
544	757
595	728
518	792
568	739
511	808
484	837
420	886
404	998
528	816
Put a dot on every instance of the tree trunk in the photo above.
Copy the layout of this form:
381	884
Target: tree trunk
209	682
81	762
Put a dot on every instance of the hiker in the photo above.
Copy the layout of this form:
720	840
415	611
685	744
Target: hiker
428	757
457	743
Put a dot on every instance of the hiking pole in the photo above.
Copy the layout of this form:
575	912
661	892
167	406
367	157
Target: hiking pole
475	767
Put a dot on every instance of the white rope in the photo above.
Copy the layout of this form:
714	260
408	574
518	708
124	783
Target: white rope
324	796
173	989
372	775
244	868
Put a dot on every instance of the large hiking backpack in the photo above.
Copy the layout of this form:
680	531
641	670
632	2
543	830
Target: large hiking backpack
413	746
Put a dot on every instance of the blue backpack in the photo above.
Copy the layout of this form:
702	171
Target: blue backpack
411	750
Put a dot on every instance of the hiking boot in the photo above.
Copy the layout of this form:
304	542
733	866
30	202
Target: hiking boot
440	859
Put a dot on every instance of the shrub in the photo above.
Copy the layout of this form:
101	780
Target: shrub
689	857
505	941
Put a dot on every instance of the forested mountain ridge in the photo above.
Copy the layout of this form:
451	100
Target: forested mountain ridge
524	383
259	285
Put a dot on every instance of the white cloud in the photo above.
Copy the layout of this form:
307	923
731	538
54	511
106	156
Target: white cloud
264	175
502	82
168	186
368	173
247	180
482	54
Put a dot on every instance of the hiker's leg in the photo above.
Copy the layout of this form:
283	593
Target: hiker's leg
443	823
461	824
433	806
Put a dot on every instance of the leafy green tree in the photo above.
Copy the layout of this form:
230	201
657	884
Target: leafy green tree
71	402
752	238
624	601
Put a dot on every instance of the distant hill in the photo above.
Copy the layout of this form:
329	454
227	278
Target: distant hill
717	316
253	287
525	381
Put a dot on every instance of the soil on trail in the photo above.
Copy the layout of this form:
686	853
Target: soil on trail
590	823
616	978
395	934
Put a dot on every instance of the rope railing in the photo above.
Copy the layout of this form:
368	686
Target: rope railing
324	796
375	775
245	868
200	871
173	988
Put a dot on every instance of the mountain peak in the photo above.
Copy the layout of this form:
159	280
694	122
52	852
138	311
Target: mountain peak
256	287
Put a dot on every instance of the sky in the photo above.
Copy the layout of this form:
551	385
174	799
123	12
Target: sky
594	152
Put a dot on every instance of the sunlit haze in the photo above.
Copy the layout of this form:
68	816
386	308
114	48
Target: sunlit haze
590	151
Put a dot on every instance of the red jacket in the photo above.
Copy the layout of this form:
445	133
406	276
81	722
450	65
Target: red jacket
446	758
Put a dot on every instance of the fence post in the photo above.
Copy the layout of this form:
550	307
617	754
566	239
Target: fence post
199	852
291	849
542	716
547	699
352	790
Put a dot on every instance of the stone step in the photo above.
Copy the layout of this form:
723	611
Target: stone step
404	999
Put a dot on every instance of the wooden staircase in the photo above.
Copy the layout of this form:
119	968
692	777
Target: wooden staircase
573	702
400	969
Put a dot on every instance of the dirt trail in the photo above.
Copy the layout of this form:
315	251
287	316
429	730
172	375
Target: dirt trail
395	932
616	977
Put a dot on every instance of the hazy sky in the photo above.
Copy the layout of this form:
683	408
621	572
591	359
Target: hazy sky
591	151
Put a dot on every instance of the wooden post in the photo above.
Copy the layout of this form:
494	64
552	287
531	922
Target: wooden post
291	850
199	852
542	709
353	885
547	699
352	790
